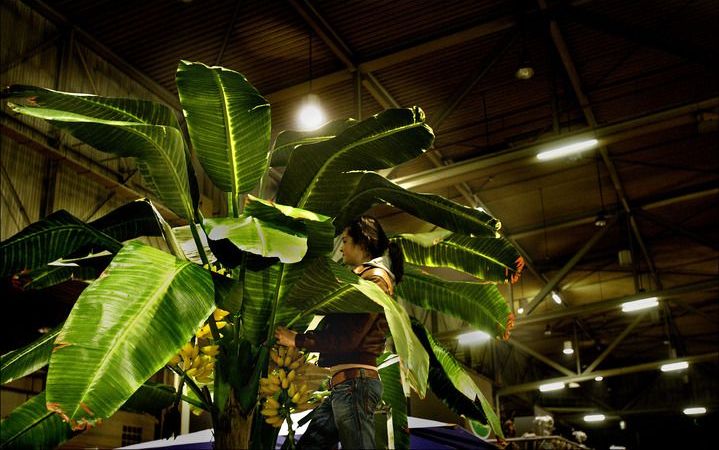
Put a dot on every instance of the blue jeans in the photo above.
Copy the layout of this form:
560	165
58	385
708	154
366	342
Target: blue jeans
347	415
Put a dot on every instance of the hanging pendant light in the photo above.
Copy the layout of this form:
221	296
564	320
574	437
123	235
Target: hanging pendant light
311	116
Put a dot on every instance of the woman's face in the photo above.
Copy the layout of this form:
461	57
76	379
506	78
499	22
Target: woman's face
352	254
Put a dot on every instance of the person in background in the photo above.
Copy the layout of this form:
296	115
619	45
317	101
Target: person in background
350	343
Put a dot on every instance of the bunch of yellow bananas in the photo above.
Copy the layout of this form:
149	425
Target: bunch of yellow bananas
198	361
281	391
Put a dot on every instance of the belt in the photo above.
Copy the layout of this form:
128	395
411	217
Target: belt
349	374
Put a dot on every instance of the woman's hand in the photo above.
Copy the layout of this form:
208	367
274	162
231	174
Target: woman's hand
285	337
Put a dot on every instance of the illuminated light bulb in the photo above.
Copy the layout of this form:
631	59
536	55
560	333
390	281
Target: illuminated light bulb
551	386
311	115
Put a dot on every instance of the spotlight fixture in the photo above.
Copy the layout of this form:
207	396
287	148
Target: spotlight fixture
551	386
573	385
524	72
695	411
569	149
601	220
568	349
643	303
520	310
598	378
681	365
622	425
557	299
547	330
594	418
473	337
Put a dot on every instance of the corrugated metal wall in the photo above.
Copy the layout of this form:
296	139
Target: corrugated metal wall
35	58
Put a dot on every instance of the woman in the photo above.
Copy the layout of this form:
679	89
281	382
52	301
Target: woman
350	343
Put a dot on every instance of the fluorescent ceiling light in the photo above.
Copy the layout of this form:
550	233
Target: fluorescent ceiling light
695	410
594	418
573	385
551	386
567	149
644	303
681	365
557	299
598	378
473	337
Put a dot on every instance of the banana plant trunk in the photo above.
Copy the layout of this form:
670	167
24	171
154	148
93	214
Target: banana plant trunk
232	428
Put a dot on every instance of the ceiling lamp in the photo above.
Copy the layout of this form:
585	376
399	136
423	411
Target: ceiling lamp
594	418
695	411
551	386
557	299
568	149
473	337
310	116
573	385
598	378
524	72
681	365
568	350
643	303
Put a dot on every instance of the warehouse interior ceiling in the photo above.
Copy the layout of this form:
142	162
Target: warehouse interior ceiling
635	217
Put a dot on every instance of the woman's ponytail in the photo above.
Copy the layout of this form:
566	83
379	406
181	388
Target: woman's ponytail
396	256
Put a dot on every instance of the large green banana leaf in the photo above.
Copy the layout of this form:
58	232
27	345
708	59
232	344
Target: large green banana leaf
228	122
253	235
53	237
130	221
487	258
51	275
327	287
26	360
93	106
319	228
450	382
185	241
32	426
154	397
384	140
159	149
482	305
393	395
359	191
288	140
123	329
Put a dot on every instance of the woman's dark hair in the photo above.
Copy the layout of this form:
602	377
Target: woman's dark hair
367	232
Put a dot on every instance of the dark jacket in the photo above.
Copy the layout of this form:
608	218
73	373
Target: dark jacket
357	338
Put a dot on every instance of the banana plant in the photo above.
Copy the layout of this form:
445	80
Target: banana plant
227	282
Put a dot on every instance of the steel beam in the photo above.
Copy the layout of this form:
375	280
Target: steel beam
475	77
228	32
339	48
559	276
15	195
39	48
554	365
89	41
651	123
526	387
615	302
699	239
691	53
705	190
614	343
398	57
575	79
32	139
